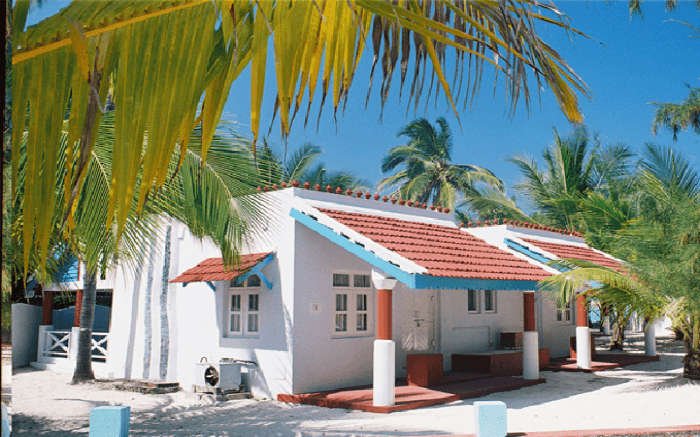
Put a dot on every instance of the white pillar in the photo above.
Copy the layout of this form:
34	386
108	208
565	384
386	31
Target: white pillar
650	339
583	347
384	375
384	359
606	325
531	355
41	341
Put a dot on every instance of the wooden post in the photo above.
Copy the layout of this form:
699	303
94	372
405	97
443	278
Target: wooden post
531	347
47	308
384	315
78	307
529	311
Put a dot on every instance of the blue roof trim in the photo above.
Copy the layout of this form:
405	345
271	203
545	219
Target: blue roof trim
412	280
353	248
534	255
443	282
257	270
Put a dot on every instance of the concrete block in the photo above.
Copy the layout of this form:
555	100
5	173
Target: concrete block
490	419
109	421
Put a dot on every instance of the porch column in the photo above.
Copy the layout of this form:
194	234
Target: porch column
46	322
384	359
650	338
78	307
47	308
583	334
531	353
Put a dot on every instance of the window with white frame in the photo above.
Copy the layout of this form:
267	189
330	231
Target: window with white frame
473	301
244	307
564	312
351	304
489	301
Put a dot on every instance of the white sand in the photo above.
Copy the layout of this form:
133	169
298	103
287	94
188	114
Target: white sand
643	395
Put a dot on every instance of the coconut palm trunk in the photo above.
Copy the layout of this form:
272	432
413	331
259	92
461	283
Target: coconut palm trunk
691	361
164	329
83	366
617	340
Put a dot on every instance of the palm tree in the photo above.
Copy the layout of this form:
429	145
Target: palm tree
274	169
489	204
428	173
677	117
198	194
70	62
662	246
320	175
557	190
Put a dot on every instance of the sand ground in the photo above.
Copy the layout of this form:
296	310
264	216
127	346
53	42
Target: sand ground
643	395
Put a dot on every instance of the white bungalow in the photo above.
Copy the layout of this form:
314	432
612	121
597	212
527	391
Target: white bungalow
348	289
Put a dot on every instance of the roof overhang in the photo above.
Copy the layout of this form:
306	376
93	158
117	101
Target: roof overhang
412	279
212	269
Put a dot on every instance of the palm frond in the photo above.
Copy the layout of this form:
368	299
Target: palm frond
157	61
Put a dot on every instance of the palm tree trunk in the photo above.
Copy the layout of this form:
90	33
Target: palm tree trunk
691	361
83	365
147	331
617	339
164	331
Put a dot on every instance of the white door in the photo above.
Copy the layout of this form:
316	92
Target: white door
419	323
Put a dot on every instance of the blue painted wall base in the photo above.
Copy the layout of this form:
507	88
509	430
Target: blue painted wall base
110	421
490	419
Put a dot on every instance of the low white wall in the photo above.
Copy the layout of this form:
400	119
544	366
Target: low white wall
25	329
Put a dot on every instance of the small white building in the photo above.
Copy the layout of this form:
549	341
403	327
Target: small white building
337	290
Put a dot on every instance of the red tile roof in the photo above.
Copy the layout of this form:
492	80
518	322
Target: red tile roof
442	250
577	252
212	269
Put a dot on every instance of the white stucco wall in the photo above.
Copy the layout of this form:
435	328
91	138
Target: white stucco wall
464	332
196	313
321	361
554	334
25	327
296	350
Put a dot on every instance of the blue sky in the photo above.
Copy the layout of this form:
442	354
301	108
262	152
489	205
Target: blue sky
628	63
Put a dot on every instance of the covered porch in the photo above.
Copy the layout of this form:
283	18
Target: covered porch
439	260
451	387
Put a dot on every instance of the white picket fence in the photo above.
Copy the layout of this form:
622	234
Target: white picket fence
99	346
58	344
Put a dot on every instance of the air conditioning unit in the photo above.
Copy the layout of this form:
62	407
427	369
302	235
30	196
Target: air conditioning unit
224	375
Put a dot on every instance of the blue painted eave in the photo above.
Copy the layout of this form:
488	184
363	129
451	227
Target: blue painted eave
414	281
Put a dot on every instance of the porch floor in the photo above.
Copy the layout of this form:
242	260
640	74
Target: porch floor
601	361
453	387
